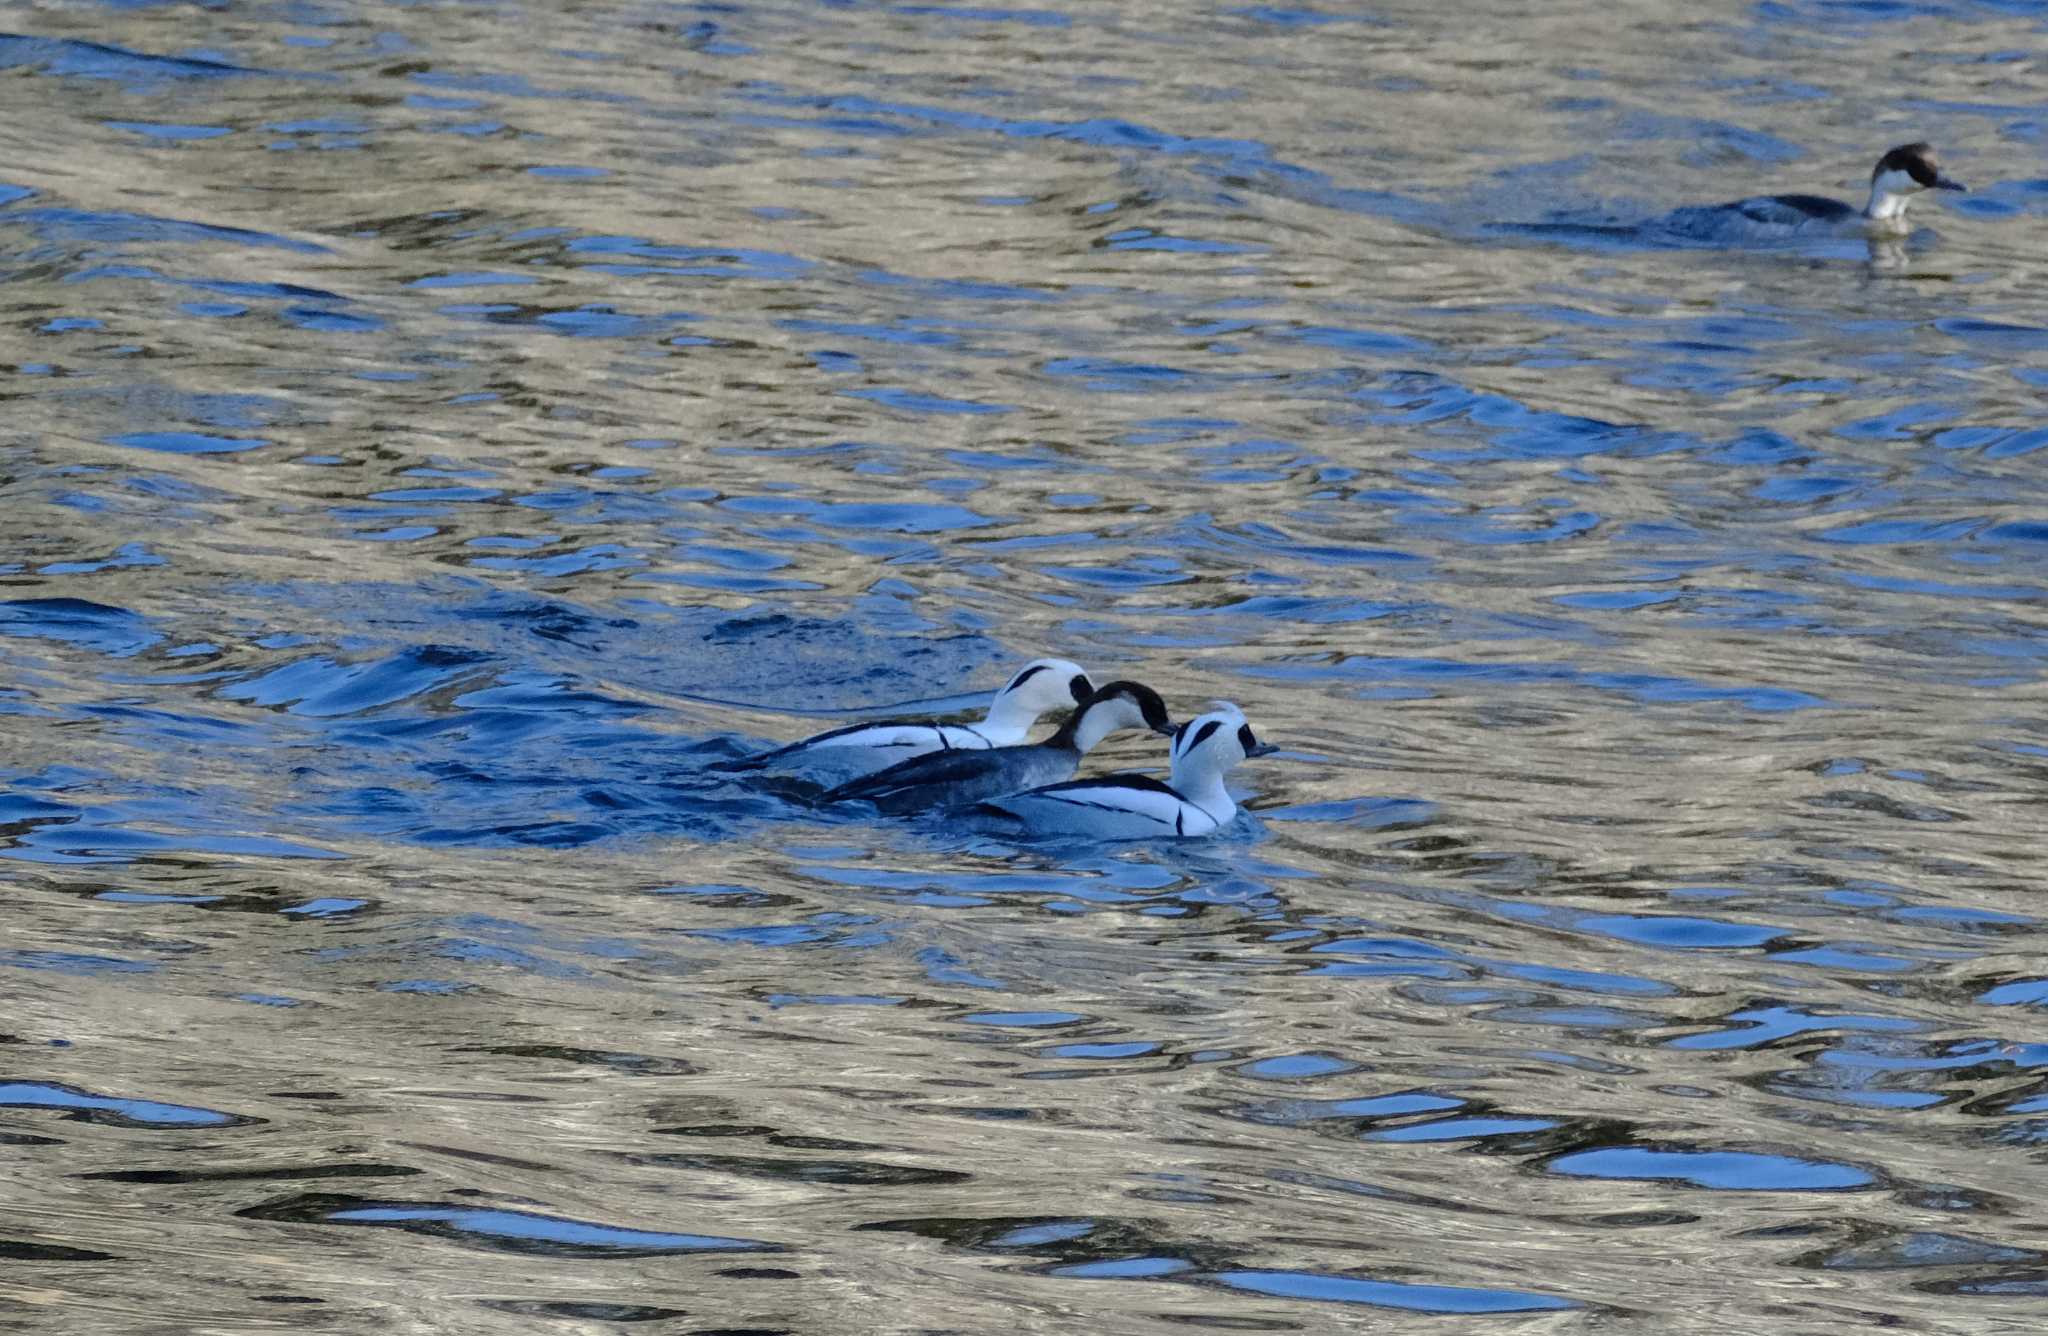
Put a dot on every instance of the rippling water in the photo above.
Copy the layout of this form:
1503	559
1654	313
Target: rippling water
435	432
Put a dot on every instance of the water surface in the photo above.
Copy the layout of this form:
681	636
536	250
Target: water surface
436	433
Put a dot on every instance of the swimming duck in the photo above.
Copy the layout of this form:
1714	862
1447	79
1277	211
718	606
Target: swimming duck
858	749
1134	807
956	778
1900	174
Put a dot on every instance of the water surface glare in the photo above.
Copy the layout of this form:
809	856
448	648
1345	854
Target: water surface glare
439	435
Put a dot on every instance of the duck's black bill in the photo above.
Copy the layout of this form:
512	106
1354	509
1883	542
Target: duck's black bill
1949	183
1260	749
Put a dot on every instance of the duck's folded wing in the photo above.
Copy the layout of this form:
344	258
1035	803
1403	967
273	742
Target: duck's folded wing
942	767
1792	210
1134	797
906	737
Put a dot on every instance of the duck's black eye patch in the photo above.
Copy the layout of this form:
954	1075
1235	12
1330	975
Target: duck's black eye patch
1202	734
1245	739
1915	160
1023	677
1080	688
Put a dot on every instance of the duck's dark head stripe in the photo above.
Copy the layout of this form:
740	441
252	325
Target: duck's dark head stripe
1915	160
1078	686
1201	735
1137	692
1023	677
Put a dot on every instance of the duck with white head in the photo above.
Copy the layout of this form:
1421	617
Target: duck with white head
957	778
1193	801
1040	687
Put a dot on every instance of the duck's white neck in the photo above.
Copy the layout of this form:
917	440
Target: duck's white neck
1096	724
1202	785
1887	207
1008	717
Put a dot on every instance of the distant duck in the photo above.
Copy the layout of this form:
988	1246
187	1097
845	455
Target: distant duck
1136	807
956	778
1040	686
1899	175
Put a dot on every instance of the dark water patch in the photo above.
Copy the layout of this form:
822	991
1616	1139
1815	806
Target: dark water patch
125	557
65	57
583	1310
261	1174
171	133
1680	932
843	1173
1027	1020
2022	992
728	897
73	962
523	1232
915	401
1996	335
912	332
1515	430
113	228
1102	373
1593	981
1372	342
1147	239
117	834
1498	1129
1901	533
1887	1250
891	517
327	907
685	261
112	1110
96	626
1715	1170
1103	1052
1059	1240
1320	1287
319	687
1349	1115
717	1130
630	1064
2020	531
1157	572
1757	1027
16	1250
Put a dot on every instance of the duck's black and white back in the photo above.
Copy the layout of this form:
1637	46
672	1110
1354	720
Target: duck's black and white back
1041	686
956	778
1136	807
1900	174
